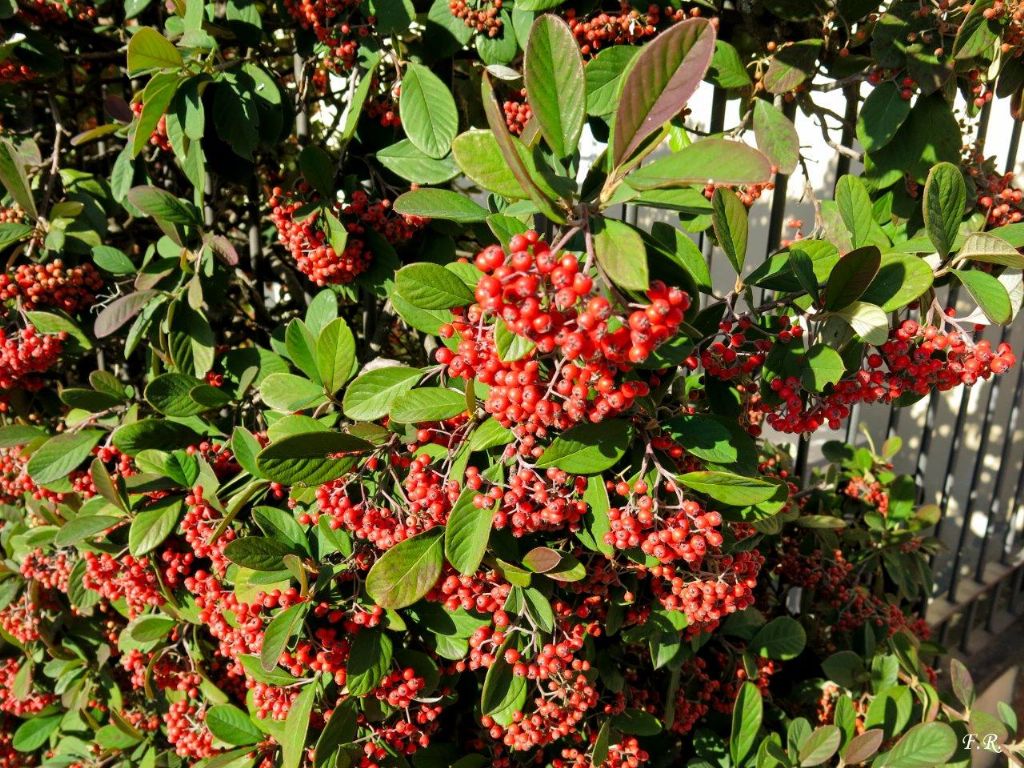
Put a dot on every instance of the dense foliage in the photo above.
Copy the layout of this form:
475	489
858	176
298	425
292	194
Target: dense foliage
345	422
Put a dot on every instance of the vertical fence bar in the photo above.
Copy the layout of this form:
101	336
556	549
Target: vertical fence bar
1004	460
951	460
992	398
894	421
852	95
716	124
778	215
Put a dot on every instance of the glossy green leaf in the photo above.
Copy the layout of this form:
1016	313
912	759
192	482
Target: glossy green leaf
372	394
555	86
427	110
776	136
467	532
620	252
944	204
703	162
588	448
662	78
729	218
407	571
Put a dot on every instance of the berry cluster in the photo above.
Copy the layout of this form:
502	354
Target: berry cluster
25	356
302	227
517	113
158	138
126	578
46	13
10	703
480	15
997	196
71	289
580	345
627	27
916	359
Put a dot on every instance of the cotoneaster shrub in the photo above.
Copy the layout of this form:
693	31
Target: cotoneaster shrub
346	423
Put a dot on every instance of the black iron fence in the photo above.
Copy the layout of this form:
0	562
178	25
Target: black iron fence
965	447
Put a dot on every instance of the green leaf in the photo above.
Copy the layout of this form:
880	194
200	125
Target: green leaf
855	207
293	745
309	458
519	162
989	248
824	366
791	65
988	292
851	276
596	522
620	252
703	162
431	286
318	169
406	160
151	527
503	693
440	204
729	218
368	661
58	456
373	393
258	553
156	98
281	629
709	438
15	179
588	448
407	571
901	279
782	638
637	722
929	135
776	136
945	200
35	732
82	528
161	205
881	115
604	74
509	345
428	404
820	746
727	70
663	77
977	34
427	110
120	311
467	532
141	435
728	488
867	320
15	233
555	85
923	746
341	729
335	354
149	50
479	157
863	747
150	627
232	726
288	392
746	722
171	394
489	434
